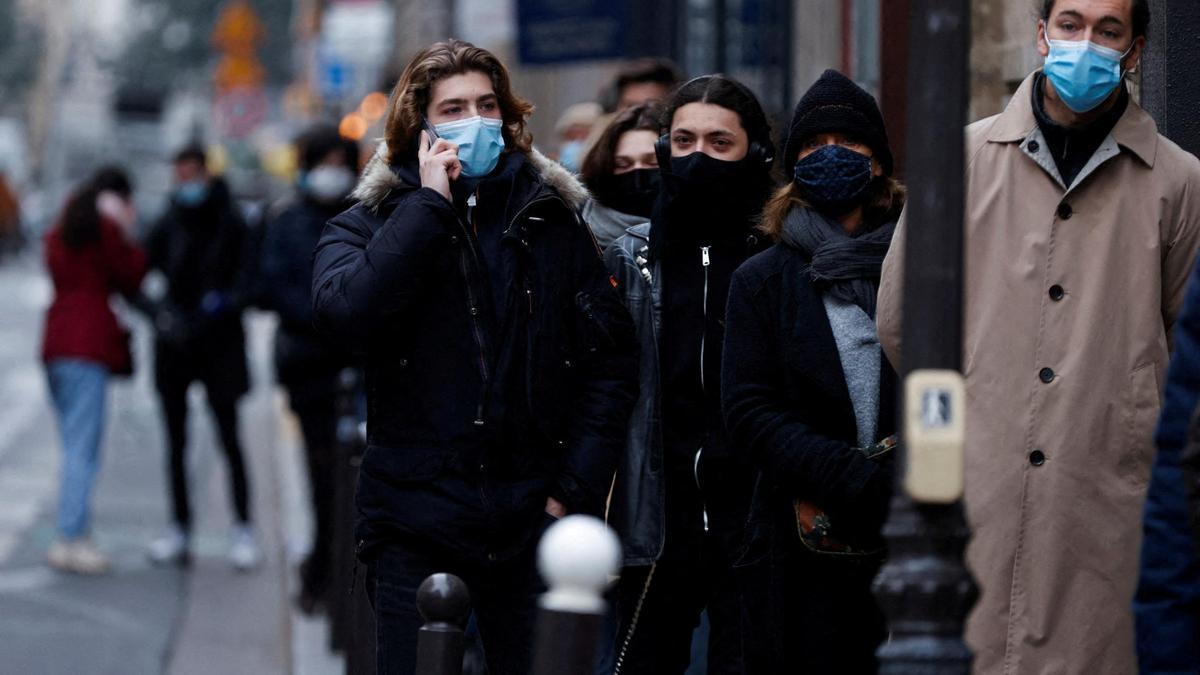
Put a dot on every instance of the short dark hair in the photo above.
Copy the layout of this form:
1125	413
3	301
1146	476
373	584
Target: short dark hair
729	94
600	160
191	153
658	71
320	141
1141	16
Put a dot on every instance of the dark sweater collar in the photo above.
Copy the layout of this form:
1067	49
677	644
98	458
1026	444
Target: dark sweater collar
1072	147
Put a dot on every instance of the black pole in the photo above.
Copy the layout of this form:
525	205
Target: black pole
445	604
924	588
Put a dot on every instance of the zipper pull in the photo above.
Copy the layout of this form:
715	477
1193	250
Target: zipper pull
704	259
529	295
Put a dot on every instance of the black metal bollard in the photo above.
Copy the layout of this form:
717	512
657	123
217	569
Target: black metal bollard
445	604
577	557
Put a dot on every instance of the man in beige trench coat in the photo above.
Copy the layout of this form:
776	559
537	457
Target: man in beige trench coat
1082	225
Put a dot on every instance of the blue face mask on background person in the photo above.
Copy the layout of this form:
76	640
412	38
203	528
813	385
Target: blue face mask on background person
1083	73
192	193
570	155
834	179
479	141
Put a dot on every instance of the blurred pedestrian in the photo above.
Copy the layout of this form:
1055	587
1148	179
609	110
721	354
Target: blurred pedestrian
198	246
621	171
306	363
682	494
572	129
1081	230
500	361
808	394
90	257
643	81
12	237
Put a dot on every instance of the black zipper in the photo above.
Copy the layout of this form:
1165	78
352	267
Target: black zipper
705	261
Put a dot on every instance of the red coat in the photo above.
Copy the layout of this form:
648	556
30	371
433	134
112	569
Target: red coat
80	323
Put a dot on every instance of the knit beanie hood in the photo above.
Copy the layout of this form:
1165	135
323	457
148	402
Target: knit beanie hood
836	104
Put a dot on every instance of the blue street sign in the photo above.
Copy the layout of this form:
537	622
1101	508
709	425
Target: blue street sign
560	31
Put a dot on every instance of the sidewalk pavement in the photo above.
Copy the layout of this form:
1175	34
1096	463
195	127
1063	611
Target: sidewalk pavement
140	619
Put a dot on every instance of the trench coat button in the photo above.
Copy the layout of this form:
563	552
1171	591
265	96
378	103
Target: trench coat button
1034	146
1037	458
1065	211
1057	293
1046	375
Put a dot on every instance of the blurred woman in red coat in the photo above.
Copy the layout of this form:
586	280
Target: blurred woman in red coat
90	257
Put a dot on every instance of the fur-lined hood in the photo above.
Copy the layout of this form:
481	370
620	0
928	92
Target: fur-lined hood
378	180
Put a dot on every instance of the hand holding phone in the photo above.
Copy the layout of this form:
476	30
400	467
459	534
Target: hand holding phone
438	159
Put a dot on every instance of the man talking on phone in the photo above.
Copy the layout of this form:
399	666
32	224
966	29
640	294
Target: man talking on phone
500	361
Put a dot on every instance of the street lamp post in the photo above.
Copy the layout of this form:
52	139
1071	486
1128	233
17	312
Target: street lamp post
924	588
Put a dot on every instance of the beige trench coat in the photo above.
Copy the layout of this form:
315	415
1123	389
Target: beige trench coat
1070	296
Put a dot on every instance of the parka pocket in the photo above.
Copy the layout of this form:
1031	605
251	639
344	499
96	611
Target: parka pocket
404	465
1143	402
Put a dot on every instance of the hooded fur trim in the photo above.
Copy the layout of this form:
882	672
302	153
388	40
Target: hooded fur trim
378	180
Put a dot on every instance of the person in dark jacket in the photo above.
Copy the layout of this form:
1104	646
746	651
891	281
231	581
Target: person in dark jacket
198	247
1167	604
90	257
681	496
621	172
808	395
306	363
500	362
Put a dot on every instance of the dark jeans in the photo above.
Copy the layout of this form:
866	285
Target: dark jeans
503	597
689	578
224	410
318	423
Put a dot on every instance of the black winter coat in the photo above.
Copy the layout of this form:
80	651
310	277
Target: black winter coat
787	404
476	416
201	252
306	362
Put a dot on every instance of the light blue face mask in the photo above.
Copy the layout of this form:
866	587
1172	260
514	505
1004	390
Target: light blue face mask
479	141
1083	72
570	155
192	193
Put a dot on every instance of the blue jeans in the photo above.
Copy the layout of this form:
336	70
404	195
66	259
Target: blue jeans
77	388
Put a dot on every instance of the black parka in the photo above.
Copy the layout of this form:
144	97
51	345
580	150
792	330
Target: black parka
477	414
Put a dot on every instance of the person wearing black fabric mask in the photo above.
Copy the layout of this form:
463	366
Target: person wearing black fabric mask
306	363
808	395
621	171
680	498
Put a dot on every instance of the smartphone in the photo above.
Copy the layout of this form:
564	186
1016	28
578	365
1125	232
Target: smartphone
433	134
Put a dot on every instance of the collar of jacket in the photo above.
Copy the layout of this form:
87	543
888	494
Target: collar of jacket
1135	131
378	180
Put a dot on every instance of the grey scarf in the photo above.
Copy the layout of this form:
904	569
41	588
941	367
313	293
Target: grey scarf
846	267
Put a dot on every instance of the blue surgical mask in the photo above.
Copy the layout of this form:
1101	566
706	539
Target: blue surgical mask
192	193
479	141
1083	73
834	179
570	155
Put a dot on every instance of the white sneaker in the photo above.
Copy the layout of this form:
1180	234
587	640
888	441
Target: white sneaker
170	549
244	553
78	557
59	555
87	559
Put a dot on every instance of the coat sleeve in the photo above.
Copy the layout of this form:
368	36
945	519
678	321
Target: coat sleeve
285	271
608	385
891	296
363	275
126	261
761	422
1167	604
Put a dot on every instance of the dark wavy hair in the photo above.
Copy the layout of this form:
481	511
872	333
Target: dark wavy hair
1141	16
727	93
80	218
600	160
410	97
